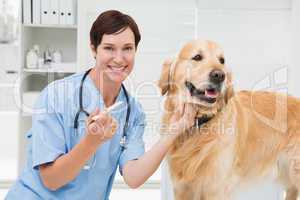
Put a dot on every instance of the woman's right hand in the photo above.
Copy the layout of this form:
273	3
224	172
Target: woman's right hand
102	129
181	119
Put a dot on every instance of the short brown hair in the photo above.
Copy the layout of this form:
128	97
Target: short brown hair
112	21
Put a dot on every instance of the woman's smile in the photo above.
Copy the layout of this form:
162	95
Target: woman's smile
117	68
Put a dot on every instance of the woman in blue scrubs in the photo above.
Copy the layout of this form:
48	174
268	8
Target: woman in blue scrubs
68	162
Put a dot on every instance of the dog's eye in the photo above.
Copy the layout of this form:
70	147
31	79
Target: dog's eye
197	57
222	60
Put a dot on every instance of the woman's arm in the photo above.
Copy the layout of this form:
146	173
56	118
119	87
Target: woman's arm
66	167
136	172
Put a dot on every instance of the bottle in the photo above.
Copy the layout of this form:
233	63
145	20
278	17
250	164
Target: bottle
37	49
31	59
41	62
47	56
56	56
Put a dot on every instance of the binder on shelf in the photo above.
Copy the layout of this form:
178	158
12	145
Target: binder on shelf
36	11
54	11
45	16
27	17
70	12
62	12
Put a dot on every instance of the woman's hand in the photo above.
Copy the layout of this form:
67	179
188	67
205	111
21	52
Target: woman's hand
102	129
182	119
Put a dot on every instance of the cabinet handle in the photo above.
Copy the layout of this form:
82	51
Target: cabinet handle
11	72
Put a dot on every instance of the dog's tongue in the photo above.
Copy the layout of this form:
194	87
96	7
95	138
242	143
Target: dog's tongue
211	93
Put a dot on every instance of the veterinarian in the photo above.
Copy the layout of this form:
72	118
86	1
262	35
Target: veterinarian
75	146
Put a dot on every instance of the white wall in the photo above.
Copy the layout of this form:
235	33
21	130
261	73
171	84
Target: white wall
295	53
256	42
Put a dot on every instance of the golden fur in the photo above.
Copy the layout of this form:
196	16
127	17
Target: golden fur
251	134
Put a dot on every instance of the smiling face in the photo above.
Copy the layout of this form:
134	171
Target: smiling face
115	55
198	75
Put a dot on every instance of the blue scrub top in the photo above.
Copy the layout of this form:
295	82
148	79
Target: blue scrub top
52	135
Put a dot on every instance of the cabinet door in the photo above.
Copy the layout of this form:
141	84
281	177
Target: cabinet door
9	101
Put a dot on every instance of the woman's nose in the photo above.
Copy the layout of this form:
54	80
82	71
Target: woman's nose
118	57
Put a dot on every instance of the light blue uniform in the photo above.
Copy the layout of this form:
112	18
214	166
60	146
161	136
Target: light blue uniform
52	135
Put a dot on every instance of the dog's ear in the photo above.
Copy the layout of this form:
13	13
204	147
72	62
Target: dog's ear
229	92
164	81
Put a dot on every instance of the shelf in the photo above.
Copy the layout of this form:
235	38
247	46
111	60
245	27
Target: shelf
50	26
10	44
54	68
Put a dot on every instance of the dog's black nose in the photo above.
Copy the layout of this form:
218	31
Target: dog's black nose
217	76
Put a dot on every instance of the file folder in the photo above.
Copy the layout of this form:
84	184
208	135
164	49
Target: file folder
54	11
45	16
62	12
36	11
70	12
27	17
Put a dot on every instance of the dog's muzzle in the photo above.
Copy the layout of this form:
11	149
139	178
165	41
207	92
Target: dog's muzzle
208	94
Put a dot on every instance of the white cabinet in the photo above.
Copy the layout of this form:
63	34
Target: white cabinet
55	38
9	73
49	35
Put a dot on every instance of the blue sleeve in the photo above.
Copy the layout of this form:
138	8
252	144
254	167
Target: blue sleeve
48	140
135	146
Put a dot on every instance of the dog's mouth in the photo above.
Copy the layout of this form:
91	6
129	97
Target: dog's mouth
208	94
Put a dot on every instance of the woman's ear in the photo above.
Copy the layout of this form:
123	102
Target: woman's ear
229	92
164	81
94	50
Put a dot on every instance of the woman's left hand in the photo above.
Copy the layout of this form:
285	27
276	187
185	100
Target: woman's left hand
102	129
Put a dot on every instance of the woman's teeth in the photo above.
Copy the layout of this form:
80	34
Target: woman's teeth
119	69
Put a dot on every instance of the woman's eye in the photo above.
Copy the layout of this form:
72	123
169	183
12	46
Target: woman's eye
222	60
108	48
197	57
128	48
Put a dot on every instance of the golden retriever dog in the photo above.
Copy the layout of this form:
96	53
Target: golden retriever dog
238	137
